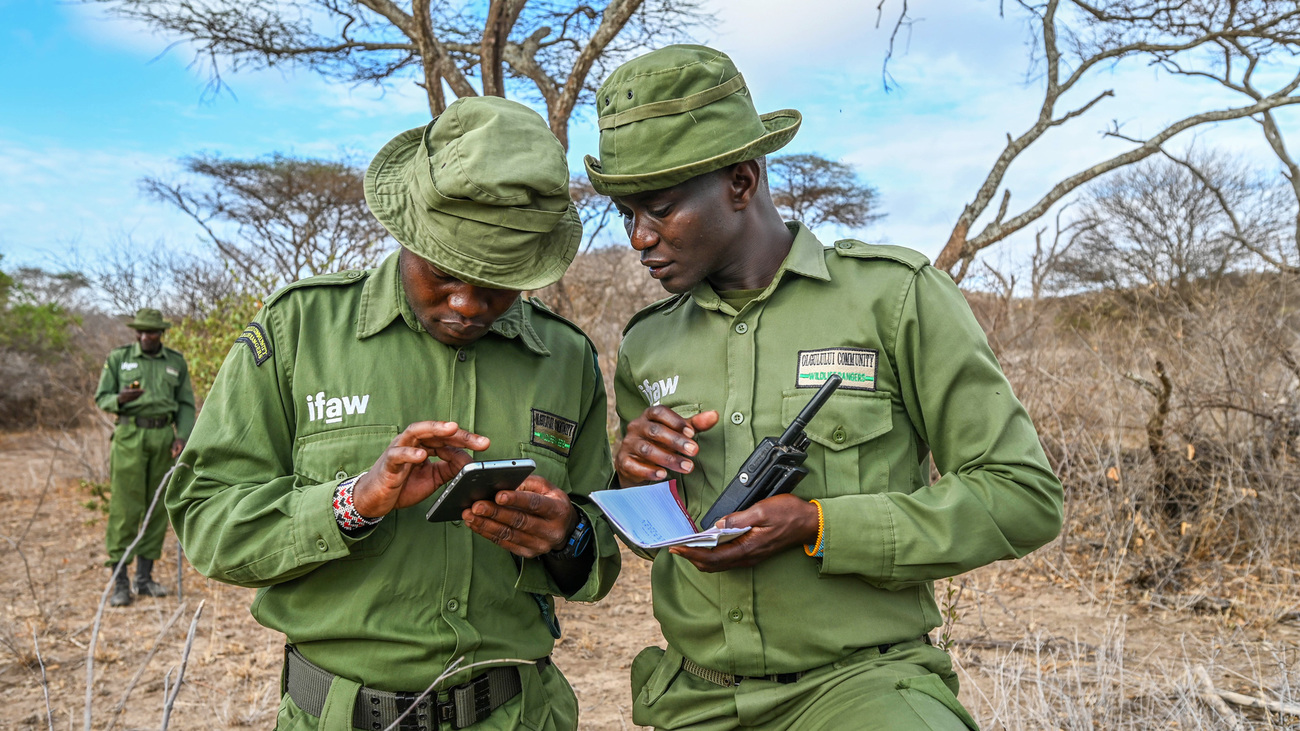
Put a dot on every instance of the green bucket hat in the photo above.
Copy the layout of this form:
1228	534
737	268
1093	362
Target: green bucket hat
147	318
676	113
482	192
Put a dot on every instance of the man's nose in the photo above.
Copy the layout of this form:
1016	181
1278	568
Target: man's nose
468	301
639	234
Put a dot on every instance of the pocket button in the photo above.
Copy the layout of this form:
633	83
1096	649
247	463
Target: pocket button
839	435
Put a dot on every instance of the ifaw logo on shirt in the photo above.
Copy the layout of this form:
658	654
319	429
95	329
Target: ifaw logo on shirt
654	392
130	366
332	410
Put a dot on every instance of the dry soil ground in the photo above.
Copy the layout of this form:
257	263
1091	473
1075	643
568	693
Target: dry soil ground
1032	641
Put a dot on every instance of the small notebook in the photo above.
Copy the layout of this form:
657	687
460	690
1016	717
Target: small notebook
652	516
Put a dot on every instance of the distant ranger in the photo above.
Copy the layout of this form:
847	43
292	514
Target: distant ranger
147	387
818	617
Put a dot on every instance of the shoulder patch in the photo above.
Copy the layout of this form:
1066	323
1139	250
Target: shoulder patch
255	338
666	303
337	279
855	249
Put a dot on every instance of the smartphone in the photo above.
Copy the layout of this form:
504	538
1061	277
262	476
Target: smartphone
478	481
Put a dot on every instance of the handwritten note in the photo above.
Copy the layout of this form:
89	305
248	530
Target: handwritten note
651	517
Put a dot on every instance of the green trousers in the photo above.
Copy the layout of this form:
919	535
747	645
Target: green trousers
546	703
139	459
912	687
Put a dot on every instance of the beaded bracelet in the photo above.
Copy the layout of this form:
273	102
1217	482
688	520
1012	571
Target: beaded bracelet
345	513
817	549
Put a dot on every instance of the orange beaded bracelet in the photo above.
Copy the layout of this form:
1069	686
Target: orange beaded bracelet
817	549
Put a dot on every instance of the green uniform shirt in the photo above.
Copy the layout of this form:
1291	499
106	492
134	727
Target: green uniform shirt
332	369
164	377
918	376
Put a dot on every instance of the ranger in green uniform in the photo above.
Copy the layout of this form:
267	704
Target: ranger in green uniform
818	617
147	386
352	397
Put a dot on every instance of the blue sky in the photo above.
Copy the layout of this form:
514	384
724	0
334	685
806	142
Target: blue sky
89	105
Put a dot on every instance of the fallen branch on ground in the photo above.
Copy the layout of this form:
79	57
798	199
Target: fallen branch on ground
121	704
1238	699
45	683
103	598
180	674
1211	696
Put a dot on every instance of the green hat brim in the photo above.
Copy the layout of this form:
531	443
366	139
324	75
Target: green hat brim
449	241
781	127
141	325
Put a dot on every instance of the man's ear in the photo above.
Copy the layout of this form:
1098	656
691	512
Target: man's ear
743	180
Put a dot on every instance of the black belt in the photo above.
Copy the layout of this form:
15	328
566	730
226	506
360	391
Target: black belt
146	422
465	704
728	680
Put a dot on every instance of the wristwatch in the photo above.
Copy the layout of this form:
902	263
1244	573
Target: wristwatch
579	540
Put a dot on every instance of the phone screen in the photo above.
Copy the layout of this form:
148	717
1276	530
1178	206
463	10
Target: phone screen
478	481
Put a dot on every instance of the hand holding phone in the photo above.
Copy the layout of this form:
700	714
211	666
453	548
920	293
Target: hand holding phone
478	481
405	475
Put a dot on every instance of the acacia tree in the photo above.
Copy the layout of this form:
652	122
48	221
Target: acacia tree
1167	224
562	49
815	190
1077	41
277	220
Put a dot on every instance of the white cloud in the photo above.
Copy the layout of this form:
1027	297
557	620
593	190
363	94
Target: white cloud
60	197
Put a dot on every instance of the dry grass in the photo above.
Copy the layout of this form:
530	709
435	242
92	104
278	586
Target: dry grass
1173	557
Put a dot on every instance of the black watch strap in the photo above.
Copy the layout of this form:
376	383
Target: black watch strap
578	541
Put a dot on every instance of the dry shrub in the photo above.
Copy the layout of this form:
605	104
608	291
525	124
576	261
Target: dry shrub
1098	682
1173	425
602	290
56	390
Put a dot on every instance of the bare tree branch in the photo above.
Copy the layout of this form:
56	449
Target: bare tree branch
180	673
1076	38
556	45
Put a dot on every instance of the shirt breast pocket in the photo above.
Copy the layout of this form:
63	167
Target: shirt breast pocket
339	453
551	466
844	430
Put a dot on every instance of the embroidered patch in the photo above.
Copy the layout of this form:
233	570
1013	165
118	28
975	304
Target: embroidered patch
553	432
130	366
172	371
255	338
857	366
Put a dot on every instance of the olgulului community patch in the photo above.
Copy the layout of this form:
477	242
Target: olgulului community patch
857	366
553	432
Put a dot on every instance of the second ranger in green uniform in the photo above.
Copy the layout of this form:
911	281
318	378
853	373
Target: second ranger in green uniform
817	618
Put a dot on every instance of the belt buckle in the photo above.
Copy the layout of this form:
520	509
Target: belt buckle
412	722
475	694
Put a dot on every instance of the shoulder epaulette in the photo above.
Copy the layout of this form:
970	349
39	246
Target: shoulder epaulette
120	347
859	250
539	306
351	276
666	303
